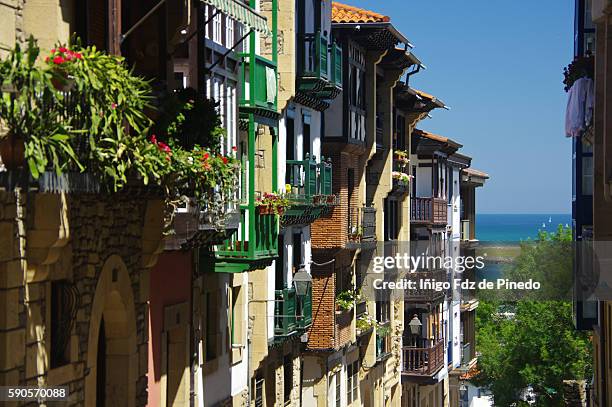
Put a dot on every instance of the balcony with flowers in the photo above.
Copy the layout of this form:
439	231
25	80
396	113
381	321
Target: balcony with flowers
400	176
308	189
79	121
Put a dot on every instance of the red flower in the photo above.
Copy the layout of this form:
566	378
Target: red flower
205	156
113	105
153	139
78	55
234	148
225	160
47	59
53	51
62	49
163	147
58	60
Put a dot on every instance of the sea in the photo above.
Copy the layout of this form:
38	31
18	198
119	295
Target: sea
517	227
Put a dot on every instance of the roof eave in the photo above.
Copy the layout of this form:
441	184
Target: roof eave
374	25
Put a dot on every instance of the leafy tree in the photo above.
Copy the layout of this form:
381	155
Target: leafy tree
532	343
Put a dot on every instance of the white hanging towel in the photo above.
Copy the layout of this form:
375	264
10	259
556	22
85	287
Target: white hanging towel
580	105
270	85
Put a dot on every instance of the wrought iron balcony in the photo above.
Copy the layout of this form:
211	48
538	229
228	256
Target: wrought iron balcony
319	66
362	225
432	211
425	295
291	313
424	357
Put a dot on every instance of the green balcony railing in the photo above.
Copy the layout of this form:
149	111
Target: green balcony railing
241	246
261	89
319	65
309	179
291	313
336	65
313	55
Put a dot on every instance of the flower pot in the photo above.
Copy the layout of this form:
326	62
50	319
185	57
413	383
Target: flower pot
62	82
12	151
265	210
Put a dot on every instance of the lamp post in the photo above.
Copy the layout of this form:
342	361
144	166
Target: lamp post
415	325
302	281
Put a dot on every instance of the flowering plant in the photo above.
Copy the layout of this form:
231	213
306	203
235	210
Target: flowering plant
366	322
401	176
103	128
402	157
276	203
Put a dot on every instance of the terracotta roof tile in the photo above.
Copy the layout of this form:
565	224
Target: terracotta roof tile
431	136
343	13
436	137
424	94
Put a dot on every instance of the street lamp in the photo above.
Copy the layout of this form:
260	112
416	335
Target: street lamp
302	281
415	325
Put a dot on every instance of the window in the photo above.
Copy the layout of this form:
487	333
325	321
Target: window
587	175
352	382
451	184
217	31
287	377
229	32
338	389
237	319
63	313
211	325
297	250
306	132
259	390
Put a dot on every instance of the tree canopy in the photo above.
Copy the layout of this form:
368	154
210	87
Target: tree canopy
532	342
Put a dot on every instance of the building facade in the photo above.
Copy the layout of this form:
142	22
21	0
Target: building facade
129	299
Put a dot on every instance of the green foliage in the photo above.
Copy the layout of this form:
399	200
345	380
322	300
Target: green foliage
549	260
345	300
190	119
83	109
29	109
530	342
276	202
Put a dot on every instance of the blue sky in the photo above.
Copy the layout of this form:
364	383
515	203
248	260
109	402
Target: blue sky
499	66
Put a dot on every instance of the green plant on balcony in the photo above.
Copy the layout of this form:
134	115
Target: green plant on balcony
83	110
355	233
272	203
382	330
345	300
365	322
401	177
402	157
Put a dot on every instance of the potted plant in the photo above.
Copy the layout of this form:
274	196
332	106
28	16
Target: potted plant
272	203
60	59
401	157
345	300
12	151
401	177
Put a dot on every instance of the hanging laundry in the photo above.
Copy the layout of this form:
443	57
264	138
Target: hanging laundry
270	85
580	105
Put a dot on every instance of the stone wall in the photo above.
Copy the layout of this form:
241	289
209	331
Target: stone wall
82	232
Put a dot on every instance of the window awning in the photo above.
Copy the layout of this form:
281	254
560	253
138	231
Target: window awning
242	13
